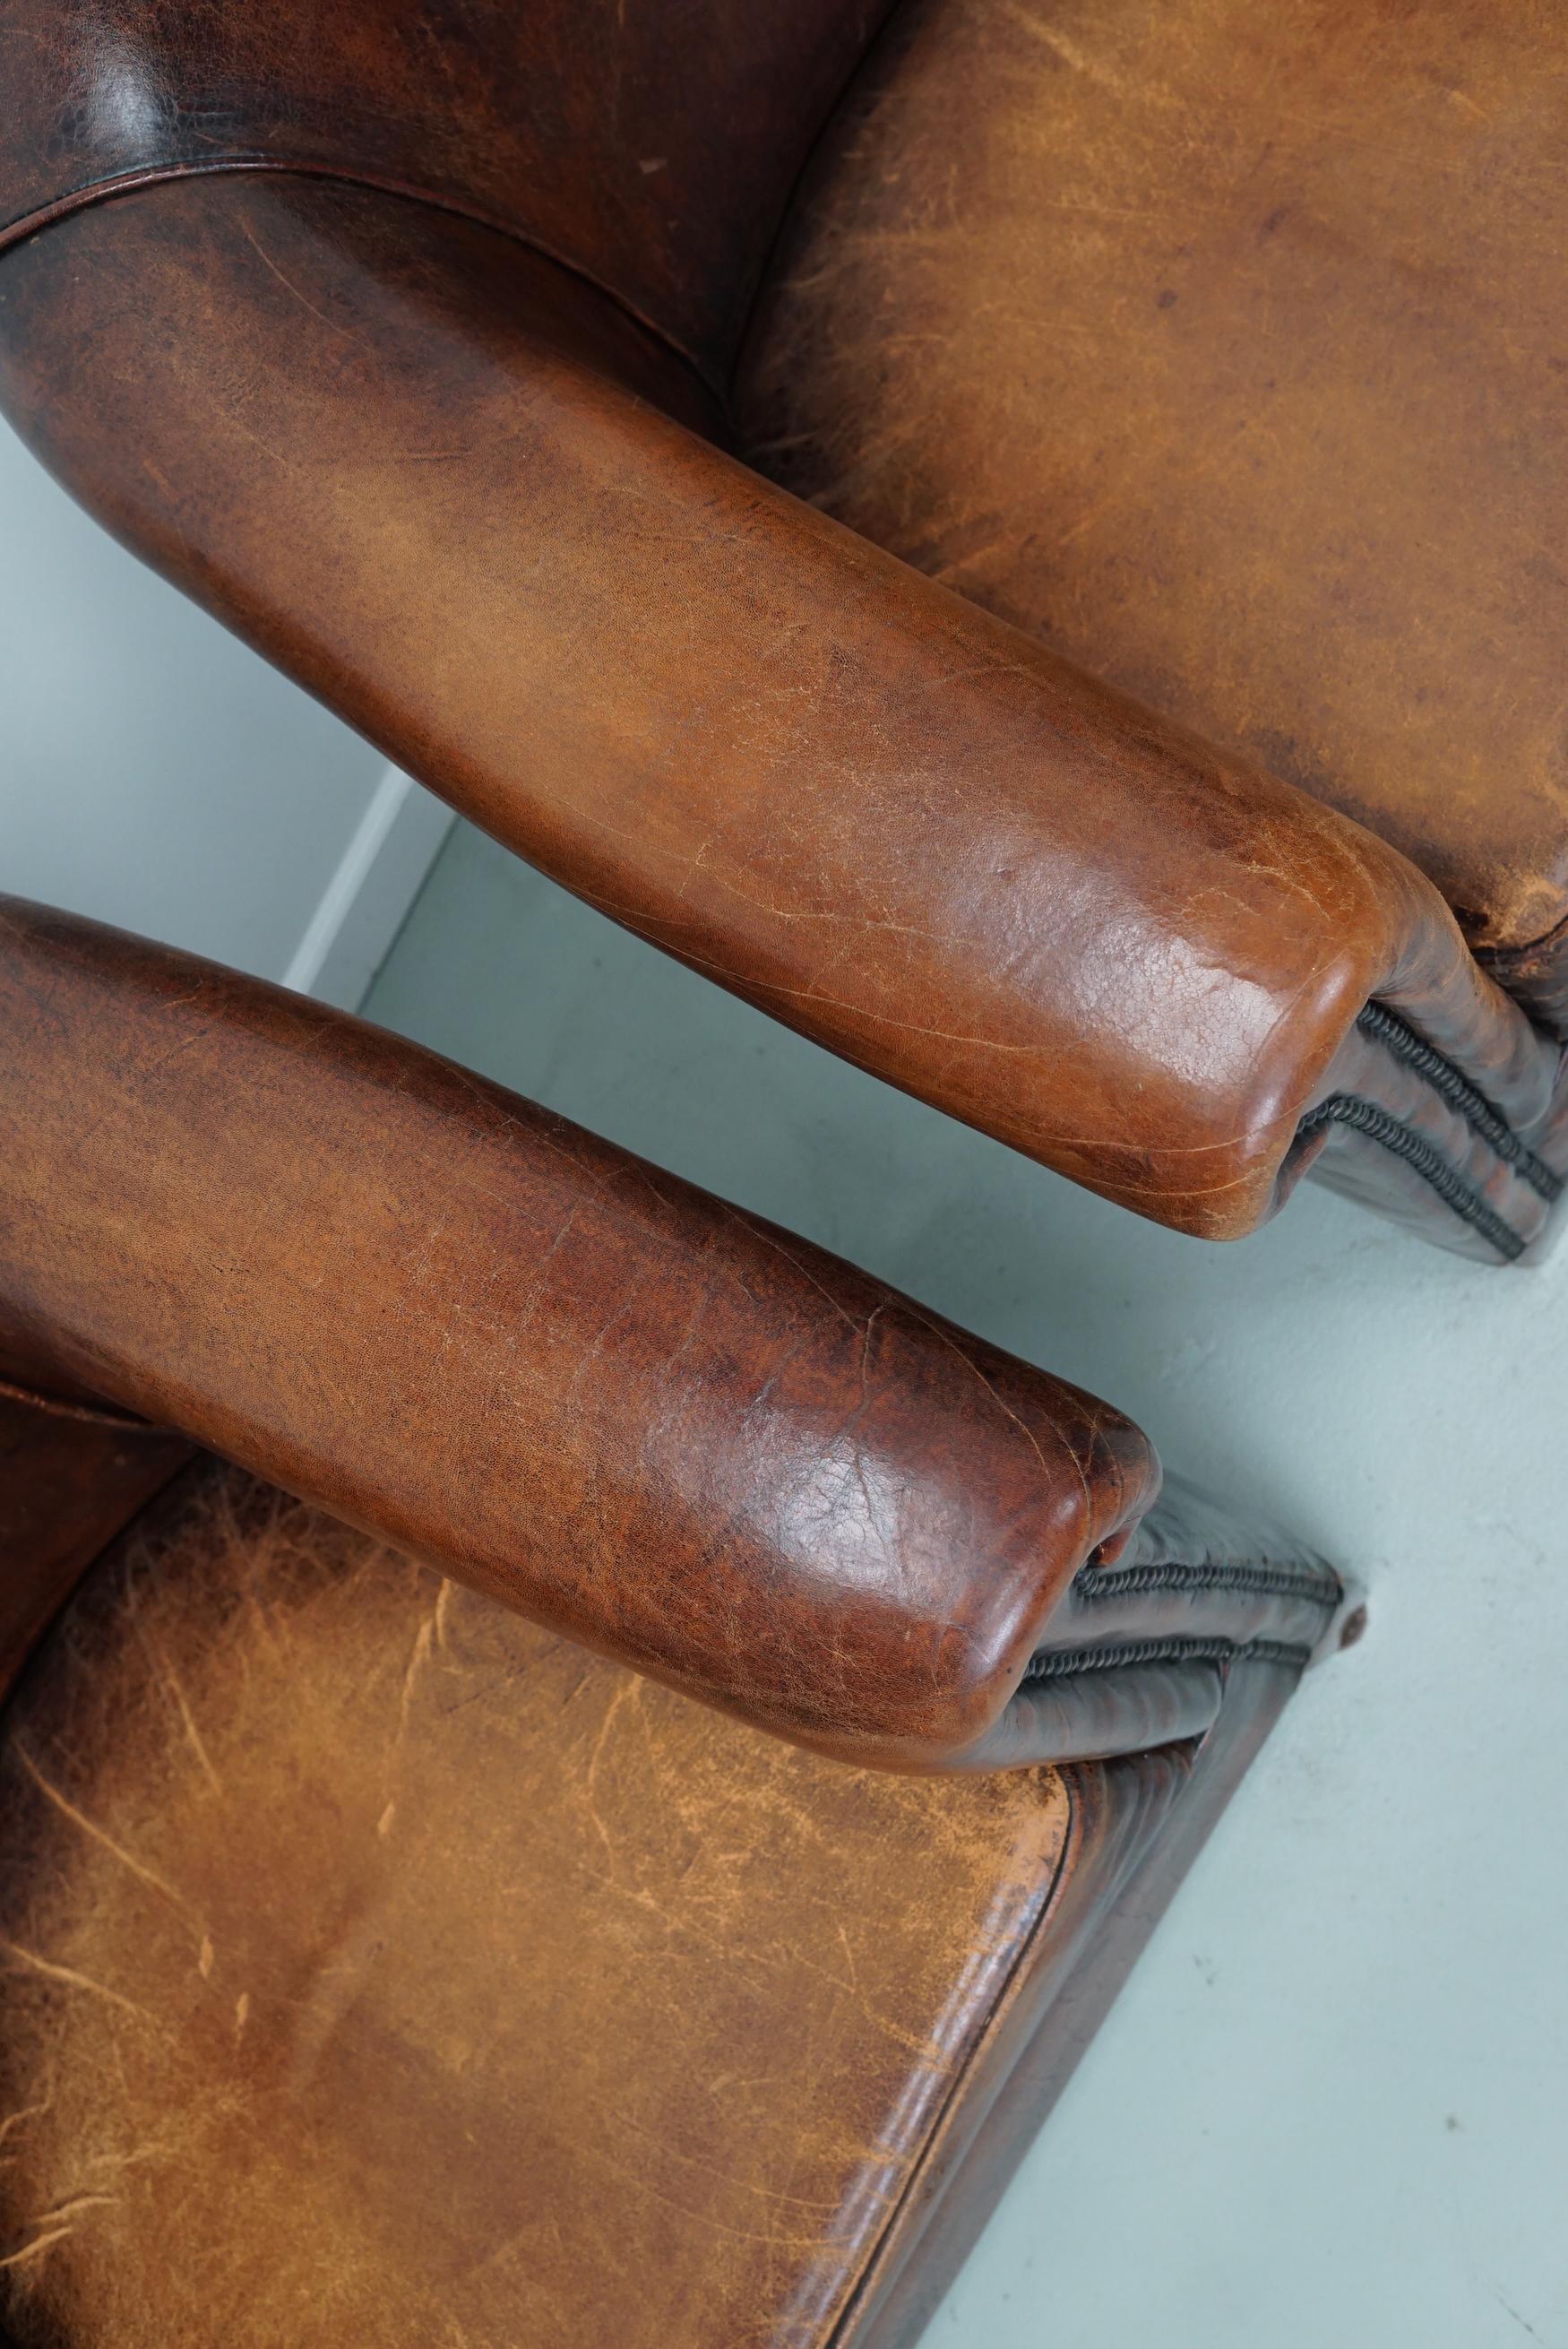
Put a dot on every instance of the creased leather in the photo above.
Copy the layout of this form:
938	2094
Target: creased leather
1189	1571
656	1424
377	1969
1219	345
1363	1168
661	1426
392	451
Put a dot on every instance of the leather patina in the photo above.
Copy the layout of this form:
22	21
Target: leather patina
376	1968
456	465
661	1426
1219	348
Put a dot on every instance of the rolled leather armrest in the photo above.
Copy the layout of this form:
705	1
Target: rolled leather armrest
645	1419
470	504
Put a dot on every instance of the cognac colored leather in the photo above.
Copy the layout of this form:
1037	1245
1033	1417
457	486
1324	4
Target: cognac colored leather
377	1969
378	1966
1219	348
659	1425
383	341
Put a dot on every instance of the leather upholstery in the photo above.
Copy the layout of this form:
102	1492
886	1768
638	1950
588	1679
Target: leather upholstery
377	1969
376	1964
423	470
648	144
1219	346
657	1425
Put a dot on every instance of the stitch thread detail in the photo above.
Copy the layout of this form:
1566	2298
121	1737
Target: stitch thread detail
1385	1028
1365	1117
1092	1583
1067	1663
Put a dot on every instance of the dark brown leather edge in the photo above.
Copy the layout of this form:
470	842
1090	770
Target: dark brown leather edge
650	154
71	1480
1137	1826
1536	976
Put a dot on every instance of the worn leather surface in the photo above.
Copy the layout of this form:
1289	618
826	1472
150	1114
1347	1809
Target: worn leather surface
657	1425
402	458
1509	1178
1134	1834
1219	346
650	144
378	1970
664	1427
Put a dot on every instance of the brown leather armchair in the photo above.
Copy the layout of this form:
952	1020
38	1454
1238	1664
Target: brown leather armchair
379	1964
419	346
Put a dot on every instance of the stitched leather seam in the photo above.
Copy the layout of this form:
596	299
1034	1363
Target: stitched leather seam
153	175
1127	1655
1403	1141
1092	1583
1482	1116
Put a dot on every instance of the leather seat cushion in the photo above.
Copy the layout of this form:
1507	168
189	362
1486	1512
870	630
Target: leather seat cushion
1221	347
377	1969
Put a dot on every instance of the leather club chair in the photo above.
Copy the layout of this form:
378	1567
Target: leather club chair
382	1966
1022	538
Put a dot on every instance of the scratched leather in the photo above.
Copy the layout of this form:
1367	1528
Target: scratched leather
1219	346
663	1426
650	146
395	452
377	1969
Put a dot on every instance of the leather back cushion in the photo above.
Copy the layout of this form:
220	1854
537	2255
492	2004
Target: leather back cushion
1220	346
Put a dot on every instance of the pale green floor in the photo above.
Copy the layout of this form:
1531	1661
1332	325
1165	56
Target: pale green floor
1332	2108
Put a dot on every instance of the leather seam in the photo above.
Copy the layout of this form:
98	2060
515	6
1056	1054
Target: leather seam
1131	1655
153	175
90	1414
1465	1098
1092	1583
870	2278
1367	1117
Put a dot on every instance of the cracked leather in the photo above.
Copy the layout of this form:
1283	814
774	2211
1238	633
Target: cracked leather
659	1425
1219	346
483	512
377	1968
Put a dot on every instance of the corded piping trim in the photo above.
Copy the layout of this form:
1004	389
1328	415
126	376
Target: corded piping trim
1067	1663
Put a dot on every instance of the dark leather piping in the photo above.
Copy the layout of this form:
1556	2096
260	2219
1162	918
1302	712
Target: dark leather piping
1094	1582
1385	1028
1364	1116
153	175
1067	1663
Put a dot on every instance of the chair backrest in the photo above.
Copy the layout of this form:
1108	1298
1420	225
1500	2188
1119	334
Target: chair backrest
650	144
